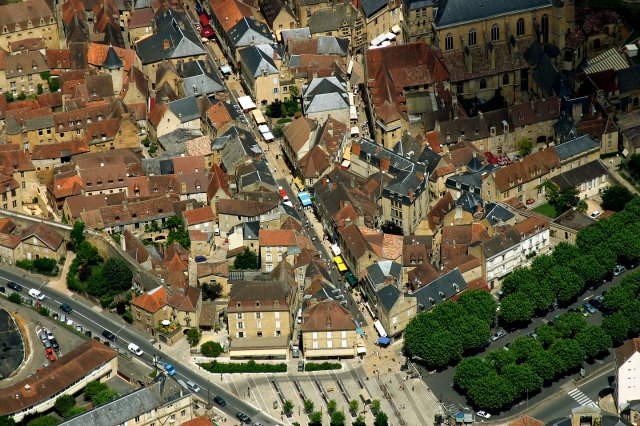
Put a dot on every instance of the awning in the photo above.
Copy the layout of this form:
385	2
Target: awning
379	328
346	164
353	113
246	103
386	43
335	250
263	128
355	131
204	20
257	115
305	199
396	29
350	278
338	260
361	350
350	67
268	136
226	69
375	42
384	341
342	267
389	36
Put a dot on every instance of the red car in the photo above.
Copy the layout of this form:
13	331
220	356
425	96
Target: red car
207	32
282	192
50	355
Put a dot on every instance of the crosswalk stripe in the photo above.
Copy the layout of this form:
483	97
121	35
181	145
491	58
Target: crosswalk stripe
581	398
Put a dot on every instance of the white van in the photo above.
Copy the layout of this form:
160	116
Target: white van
36	294
135	349
300	316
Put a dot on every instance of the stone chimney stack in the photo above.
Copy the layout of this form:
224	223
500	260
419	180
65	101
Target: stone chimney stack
384	164
355	148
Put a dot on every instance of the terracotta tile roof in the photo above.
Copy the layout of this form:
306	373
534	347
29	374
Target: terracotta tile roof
531	167
50	100
463	263
218	181
59	58
137	211
197	147
439	210
354	240
199	236
98	53
531	226
277	237
230	12
185	301
156	114
219	268
24	12
66	186
327	315
59	150
6	225
416	249
394	68
151	301
9	240
218	115
138	111
80	118
12	160
44	233
26	63
45	383
628	349
27	44
535	111
141	18
199	215
433	140
188	165
422	275
526	421
299	132
81	203
314	163
245	208
291	223
203	421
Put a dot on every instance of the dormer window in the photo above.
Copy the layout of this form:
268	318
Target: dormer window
257	303
432	301
441	294
456	287
521	116
238	305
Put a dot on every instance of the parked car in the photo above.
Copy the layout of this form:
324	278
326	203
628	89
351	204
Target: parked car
595	214
584	311
54	345
109	335
47	344
618	270
199	259
533	335
135	349
243	417
43	336
66	308
499	334
282	192
50	354
595	303
50	335
14	286
483	414
220	401
193	386
600	297
36	294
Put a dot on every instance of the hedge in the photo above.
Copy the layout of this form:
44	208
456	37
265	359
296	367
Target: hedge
246	367
319	366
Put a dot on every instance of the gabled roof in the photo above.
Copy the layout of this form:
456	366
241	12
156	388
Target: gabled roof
439	290
584	173
327	315
230	12
299	132
531	167
199	215
248	32
151	301
259	59
325	94
186	109
199	78
580	145
626	351
370	7
457	12
246	208
44	233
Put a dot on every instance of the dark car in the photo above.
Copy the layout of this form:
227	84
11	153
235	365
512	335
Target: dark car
66	308
200	259
220	401
14	286
243	417
54	345
595	303
590	308
87	333
108	335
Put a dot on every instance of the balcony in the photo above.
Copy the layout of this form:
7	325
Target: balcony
168	331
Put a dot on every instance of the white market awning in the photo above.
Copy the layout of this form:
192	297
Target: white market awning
353	113
386	43
226	69
263	128
379	328
268	136
389	36
246	103
335	249
361	350
396	29
350	67
355	131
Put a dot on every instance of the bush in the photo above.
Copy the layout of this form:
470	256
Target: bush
211	349
319	366
284	120
43	311
63	404
193	336
15	298
128	317
247	367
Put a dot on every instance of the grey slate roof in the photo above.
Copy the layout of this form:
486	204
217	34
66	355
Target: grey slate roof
294	33
112	61
388	296
439	290
151	166
497	214
470	202
251	230
545	76
331	19
629	79
173	142
174	27
239	145
411	148
370	7
565	127
162	392
581	174
455	12
576	146
257	172
404	171
325	94
331	45
379	271
417	4
248	32
500	242
259	59
199	78
186	109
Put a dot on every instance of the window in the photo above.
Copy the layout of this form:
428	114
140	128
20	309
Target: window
448	42
239	315
240	326
520	27
483	83
241	334
183	413
545	29
259	324
277	315
495	32
344	343
314	335
505	79
328	335
329	344
259	334
258	315
472	37
277	325
344	334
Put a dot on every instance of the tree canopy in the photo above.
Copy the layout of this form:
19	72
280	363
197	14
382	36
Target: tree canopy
246	260
615	197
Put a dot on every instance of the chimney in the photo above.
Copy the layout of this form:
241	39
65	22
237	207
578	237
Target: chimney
259	156
166	44
355	148
384	164
411	195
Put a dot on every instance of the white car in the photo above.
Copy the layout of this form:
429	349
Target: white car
483	414
135	349
595	214
49	334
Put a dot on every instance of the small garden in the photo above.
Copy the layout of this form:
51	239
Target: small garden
243	367
43	266
321	366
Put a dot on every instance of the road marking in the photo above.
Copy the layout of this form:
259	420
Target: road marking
581	398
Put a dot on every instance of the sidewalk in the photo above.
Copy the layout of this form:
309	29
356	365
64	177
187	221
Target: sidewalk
60	283
613	165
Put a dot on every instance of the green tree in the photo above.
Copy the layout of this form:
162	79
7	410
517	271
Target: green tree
7	421
523	347
594	341
44	421
315	419
568	285
308	406
569	324
278	131
561	199
615	198
15	298
381	419
44	265
63	404
39	89
22	96
211	349
619	296
588	268
472	332
9	97
353	406
525	146
480	304
469	370
93	388
564	253
332	406
246	260
492	393
633	166
74	411
617	326
516	309
104	396
541	295
569	352
211	291
287	407
337	419
500	359
439	350
193	336
118	274
77	233
517	280
87	254
522	378
544	364
375	406
359	421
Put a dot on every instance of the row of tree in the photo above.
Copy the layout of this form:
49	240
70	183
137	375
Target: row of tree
453	329
506	376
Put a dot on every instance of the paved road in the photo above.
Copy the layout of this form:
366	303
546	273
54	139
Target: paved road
97	320
441	383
